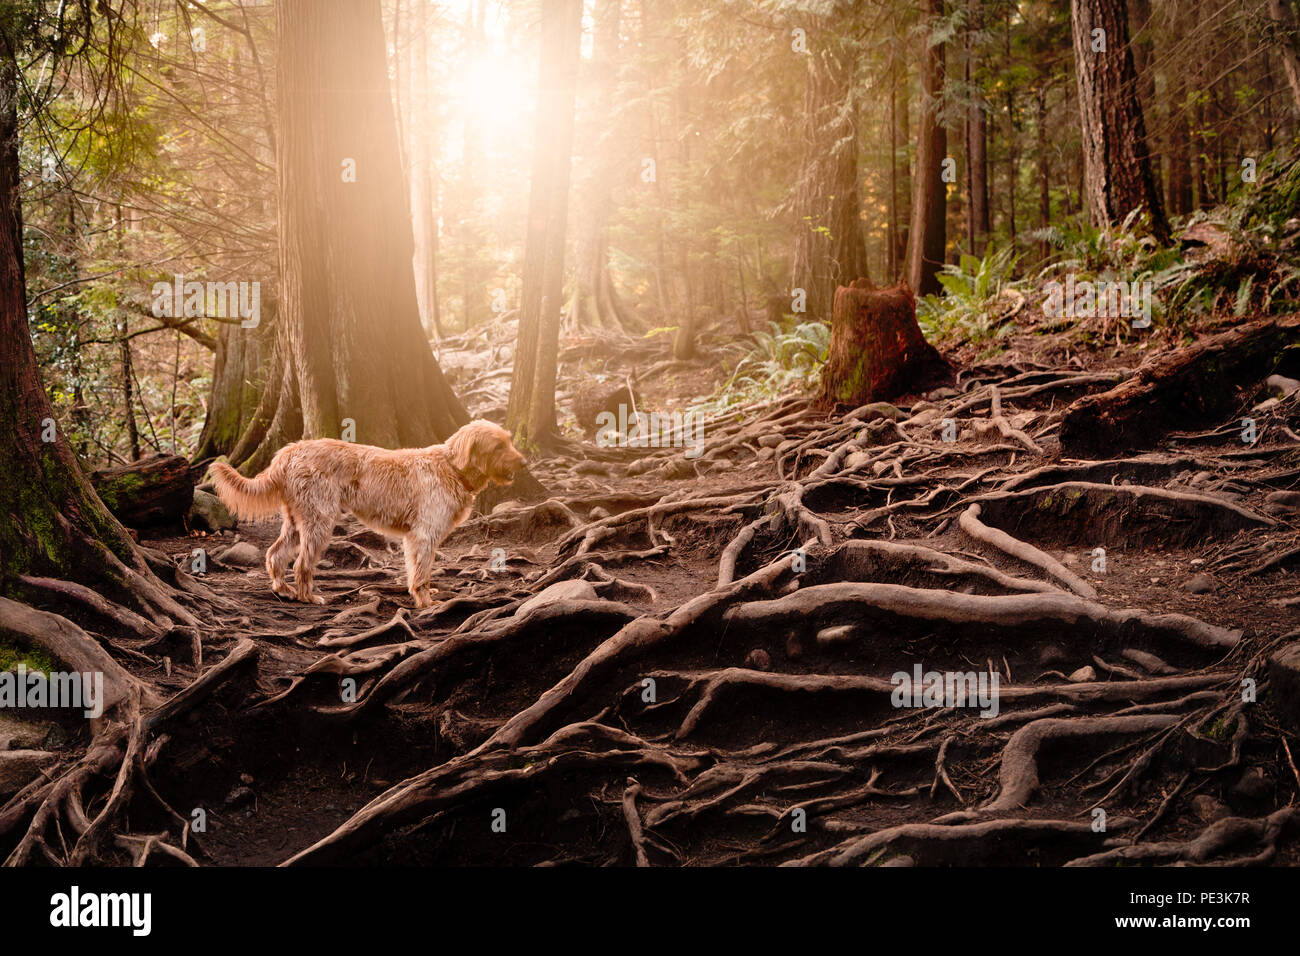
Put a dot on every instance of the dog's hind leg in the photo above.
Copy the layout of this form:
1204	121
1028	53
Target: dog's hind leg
279	554
314	532
419	551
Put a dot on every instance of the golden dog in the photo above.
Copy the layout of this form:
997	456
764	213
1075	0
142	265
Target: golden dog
416	494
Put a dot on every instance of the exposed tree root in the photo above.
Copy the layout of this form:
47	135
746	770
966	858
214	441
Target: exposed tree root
1259	837
660	718
989	841
1027	553
122	751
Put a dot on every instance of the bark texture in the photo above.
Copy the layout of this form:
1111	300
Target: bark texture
1117	163
877	349
928	238
349	320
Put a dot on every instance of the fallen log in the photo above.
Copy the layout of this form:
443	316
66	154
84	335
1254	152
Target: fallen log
1183	389
152	491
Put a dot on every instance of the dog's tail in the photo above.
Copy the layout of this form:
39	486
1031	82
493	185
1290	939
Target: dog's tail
248	497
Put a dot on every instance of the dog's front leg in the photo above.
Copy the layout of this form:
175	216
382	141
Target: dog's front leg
419	550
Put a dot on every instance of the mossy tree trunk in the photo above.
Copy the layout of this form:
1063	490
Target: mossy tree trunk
1189	388
54	524
236	388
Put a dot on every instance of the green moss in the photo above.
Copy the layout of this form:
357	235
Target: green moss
114	489
1218	730
34	659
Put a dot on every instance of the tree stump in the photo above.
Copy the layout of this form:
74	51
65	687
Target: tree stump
152	491
592	399
877	350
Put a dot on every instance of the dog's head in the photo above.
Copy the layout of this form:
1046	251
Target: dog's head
483	451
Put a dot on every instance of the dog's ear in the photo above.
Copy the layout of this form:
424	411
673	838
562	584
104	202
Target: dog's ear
461	446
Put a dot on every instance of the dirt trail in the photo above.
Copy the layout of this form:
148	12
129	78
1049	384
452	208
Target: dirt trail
661	716
710	675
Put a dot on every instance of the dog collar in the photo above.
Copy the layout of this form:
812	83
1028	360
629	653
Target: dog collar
464	483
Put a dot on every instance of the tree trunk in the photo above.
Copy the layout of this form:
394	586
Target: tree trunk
684	337
894	228
977	175
349	322
236	389
128	389
877	350
1288	45
828	245
929	207
55	525
1013	160
594	301
421	134
1143	44
531	411
902	171
1117	163
1044	171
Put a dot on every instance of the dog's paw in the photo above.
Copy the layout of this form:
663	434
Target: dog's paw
312	598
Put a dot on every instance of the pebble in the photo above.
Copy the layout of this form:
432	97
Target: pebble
874	411
678	469
238	797
241	555
835	635
1253	785
1208	809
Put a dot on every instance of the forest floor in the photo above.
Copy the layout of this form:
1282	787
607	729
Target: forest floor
692	690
